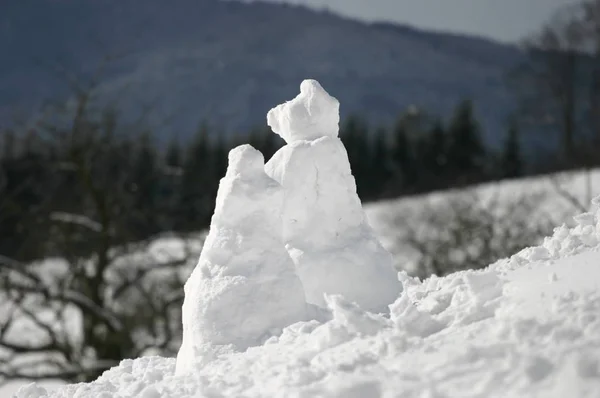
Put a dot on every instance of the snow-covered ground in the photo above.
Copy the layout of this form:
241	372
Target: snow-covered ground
544	199
526	326
523	326
382	216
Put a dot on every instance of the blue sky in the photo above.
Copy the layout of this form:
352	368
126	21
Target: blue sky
504	20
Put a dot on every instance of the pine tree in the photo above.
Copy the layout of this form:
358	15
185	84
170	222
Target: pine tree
195	201
220	153
437	148
511	161
146	189
265	141
403	156
355	136
173	157
171	185
466	152
433	157
381	163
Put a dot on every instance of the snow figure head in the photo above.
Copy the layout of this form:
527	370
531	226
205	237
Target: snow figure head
312	114
244	182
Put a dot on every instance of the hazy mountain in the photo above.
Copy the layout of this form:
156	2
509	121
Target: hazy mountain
230	62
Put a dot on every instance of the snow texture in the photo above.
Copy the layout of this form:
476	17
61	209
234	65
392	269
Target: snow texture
325	228
526	326
244	287
311	115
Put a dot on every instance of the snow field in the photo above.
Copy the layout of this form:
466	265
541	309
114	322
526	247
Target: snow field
293	296
523	327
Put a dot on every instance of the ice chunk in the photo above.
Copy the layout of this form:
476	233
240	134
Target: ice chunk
311	115
244	287
325	228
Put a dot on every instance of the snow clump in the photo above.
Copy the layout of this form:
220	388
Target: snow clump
244	287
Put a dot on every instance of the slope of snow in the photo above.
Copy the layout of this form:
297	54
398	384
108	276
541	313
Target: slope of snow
526	326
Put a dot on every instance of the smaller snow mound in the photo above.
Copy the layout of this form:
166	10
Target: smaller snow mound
312	114
244	288
564	242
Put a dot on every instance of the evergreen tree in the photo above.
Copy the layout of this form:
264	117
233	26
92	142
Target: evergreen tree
146	188
171	184
220	155
466	152
511	161
432	157
195	201
403	156
271	144
173	157
355	136
9	145
437	148
265	141
381	164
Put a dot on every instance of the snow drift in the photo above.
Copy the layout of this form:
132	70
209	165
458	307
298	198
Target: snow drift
526	326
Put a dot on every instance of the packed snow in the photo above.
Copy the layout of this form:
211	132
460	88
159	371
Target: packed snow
311	115
526	326
284	234
244	287
325	228
277	246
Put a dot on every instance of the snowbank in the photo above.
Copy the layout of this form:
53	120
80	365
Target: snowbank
526	326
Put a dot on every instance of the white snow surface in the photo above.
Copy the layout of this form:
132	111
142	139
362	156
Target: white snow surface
324	225
244	287
526	326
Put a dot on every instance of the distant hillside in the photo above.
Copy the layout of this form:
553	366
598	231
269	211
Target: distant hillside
230	62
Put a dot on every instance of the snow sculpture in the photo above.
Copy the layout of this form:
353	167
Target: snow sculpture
244	286
325	228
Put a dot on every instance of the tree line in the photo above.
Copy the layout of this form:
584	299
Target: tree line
151	188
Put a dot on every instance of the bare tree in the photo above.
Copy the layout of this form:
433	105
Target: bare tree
590	20
102	298
549	83
469	230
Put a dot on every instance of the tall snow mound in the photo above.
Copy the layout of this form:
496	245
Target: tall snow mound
312	114
244	287
526	326
324	225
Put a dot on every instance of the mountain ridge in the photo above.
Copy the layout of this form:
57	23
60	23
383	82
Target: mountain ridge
229	62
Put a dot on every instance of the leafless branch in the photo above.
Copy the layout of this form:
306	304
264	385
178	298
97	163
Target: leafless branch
567	195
